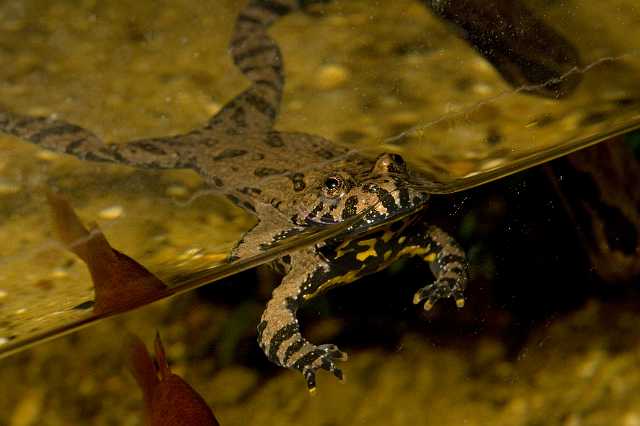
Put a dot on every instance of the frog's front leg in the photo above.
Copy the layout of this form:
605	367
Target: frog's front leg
279	332
448	264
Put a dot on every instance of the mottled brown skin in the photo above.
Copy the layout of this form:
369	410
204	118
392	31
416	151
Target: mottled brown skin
119	282
291	182
168	399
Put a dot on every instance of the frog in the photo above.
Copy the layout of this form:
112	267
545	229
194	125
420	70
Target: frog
291	182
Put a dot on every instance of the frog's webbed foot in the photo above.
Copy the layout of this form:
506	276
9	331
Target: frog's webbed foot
450	268
310	358
320	357
287	348
442	288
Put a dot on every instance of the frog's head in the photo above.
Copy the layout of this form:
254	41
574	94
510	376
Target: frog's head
379	191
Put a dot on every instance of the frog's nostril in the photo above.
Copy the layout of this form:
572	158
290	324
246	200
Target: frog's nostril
370	187
397	158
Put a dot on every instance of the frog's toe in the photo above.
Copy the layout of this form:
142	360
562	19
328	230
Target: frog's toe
321	357
443	288
333	351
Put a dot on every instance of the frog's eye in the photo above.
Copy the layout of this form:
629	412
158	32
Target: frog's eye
333	186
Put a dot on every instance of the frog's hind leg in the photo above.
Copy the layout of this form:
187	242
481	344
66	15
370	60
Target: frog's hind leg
279	332
67	138
253	111
449	265
259	58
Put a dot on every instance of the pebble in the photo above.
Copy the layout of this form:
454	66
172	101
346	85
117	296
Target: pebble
390	101
632	419
482	89
589	366
481	65
331	76
59	273
41	111
177	191
8	188
492	163
404	118
295	105
47	155
28	410
570	122
111	213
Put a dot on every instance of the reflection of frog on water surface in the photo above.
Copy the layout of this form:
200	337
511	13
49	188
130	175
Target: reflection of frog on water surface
290	181
293	181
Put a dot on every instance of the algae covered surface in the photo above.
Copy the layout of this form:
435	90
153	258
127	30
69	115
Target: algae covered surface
388	76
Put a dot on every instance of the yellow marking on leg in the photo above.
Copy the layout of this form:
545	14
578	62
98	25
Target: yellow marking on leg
364	255
347	278
413	251
402	239
370	252
387	254
387	236
431	257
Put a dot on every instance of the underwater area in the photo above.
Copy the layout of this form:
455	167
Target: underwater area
532	155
